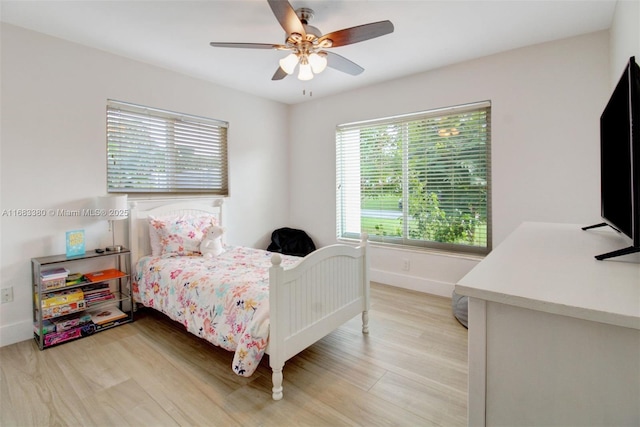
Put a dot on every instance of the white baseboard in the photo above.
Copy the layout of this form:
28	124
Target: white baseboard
413	283
16	332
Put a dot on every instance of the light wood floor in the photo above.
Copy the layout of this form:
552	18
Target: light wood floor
410	370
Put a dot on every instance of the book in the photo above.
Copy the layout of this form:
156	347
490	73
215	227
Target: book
75	243
98	299
55	273
97	292
100	276
95	288
106	315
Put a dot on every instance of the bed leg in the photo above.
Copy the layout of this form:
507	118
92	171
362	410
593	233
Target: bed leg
365	322
276	378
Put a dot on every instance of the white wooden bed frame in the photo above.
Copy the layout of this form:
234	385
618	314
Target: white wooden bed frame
306	302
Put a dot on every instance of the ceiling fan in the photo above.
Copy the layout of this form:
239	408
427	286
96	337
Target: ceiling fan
307	44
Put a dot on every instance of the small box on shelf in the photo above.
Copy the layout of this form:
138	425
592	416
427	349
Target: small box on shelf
53	284
63	309
59	337
65	323
47	327
54	338
53	278
51	299
54	273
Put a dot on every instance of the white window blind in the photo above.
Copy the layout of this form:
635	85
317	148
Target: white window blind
420	179
157	151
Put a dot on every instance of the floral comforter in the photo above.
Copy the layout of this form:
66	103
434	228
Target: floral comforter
224	300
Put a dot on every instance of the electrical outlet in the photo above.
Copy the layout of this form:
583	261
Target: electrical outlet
406	265
6	294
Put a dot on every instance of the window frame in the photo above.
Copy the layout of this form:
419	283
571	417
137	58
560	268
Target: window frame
193	152
346	232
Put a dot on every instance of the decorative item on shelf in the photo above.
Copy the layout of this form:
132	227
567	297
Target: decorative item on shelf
115	208
75	243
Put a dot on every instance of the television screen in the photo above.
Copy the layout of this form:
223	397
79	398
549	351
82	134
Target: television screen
615	159
620	160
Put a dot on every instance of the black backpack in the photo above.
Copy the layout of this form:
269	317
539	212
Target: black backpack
290	241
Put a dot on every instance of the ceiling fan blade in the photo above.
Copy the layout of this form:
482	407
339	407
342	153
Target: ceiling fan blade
287	17
248	45
359	33
341	63
279	74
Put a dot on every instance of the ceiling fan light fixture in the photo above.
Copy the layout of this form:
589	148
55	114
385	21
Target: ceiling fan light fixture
305	71
306	43
289	62
318	62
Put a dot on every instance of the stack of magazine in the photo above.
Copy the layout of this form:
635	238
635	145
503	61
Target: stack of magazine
97	293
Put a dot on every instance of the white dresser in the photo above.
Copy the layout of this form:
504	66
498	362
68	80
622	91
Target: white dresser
554	335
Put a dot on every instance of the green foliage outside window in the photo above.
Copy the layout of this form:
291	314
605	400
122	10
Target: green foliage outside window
424	179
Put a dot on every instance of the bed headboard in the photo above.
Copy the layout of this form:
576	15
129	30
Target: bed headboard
139	225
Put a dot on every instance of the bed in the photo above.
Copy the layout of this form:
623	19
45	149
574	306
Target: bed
245	300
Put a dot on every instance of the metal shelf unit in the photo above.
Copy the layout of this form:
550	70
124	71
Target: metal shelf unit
121	260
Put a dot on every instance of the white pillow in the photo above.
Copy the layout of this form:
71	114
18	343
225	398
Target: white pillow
154	239
181	235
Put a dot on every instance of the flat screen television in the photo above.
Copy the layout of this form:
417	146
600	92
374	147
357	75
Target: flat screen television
620	161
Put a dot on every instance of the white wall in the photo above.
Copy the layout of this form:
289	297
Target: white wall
546	103
53	150
624	38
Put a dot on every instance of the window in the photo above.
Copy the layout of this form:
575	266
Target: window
157	151
420	179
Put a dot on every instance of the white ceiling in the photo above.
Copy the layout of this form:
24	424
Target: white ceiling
428	34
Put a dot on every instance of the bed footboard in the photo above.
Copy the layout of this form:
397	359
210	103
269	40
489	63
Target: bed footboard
308	301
